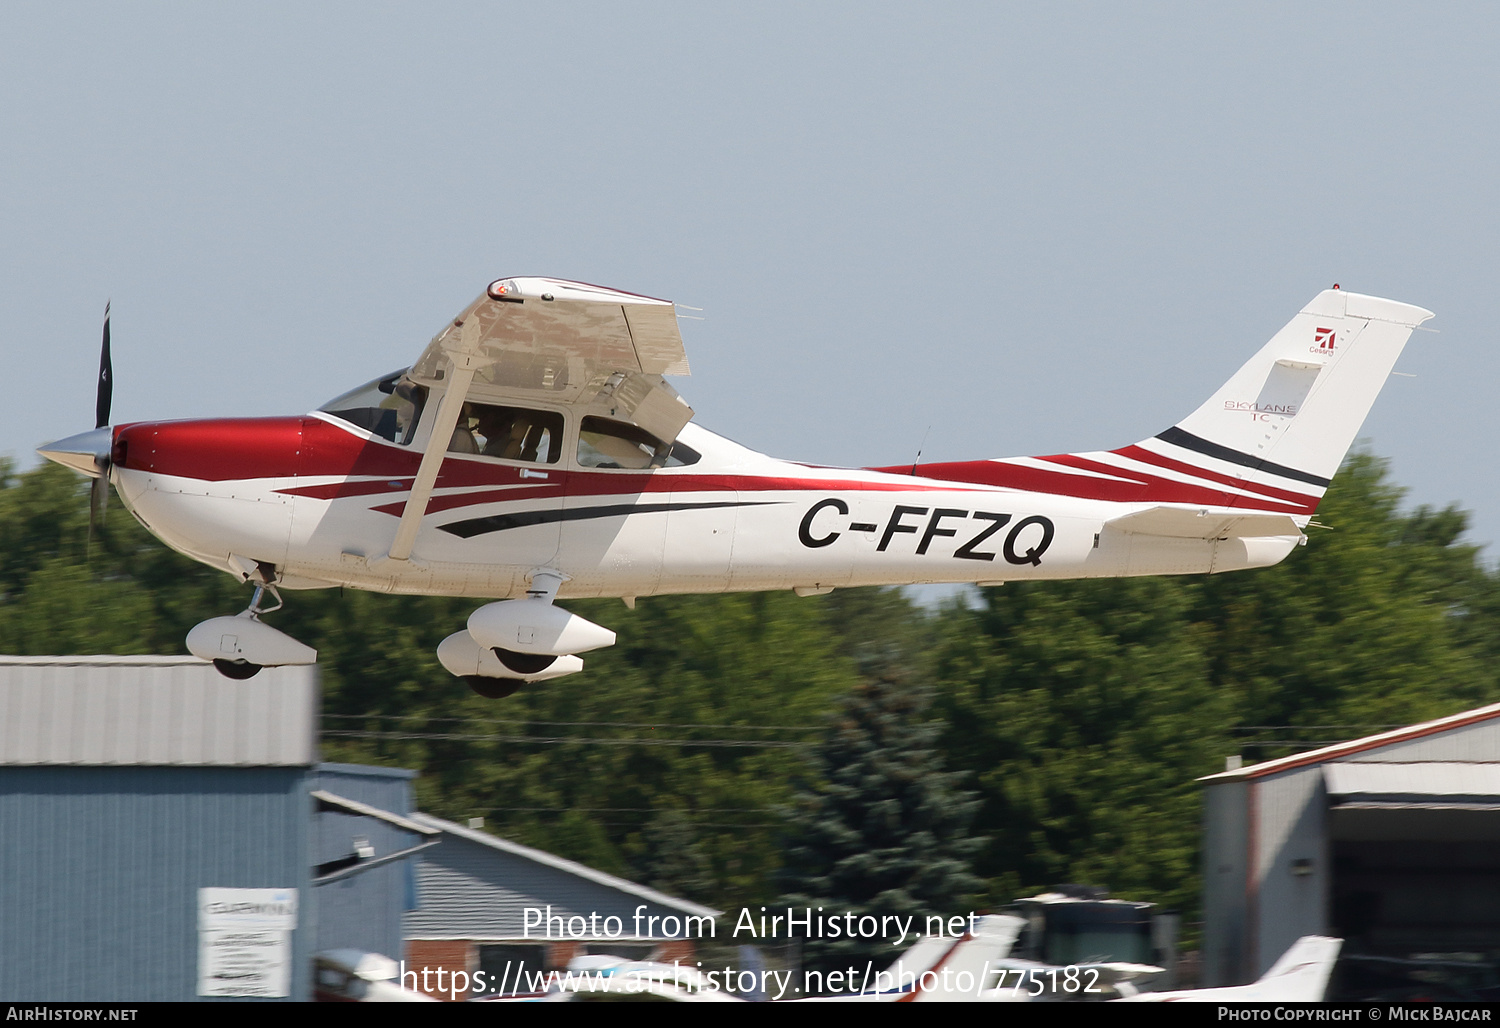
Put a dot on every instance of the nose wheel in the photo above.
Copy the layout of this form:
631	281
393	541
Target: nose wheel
239	670
239	646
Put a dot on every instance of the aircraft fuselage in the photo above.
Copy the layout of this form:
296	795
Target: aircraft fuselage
320	500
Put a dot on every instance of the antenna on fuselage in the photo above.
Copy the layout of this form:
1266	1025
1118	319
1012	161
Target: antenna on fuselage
919	451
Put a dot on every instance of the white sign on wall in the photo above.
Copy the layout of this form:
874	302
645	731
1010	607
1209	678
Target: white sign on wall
245	941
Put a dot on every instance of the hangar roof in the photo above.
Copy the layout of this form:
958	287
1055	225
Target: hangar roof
568	867
1358	747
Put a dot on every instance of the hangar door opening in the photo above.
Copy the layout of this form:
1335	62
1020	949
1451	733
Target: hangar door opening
1416	873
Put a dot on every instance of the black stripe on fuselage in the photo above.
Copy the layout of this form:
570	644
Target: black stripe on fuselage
523	519
1188	441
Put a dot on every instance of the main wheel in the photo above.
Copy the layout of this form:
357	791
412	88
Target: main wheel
525	663
237	669
493	688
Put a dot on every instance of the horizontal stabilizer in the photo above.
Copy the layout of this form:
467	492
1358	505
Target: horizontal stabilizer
1204	523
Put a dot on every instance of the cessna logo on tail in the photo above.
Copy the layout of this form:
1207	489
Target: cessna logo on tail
1324	338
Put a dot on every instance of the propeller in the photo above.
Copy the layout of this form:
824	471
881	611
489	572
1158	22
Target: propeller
88	453
103	398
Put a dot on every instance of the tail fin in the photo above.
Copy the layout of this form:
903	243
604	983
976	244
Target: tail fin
978	954
1268	441
1286	419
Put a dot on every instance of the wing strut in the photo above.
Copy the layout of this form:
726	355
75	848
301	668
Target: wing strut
464	360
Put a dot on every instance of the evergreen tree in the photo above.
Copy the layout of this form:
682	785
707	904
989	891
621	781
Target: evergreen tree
672	859
885	832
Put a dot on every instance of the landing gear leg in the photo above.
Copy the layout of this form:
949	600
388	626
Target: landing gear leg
255	610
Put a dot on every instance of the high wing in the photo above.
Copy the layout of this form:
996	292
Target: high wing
549	341
558	342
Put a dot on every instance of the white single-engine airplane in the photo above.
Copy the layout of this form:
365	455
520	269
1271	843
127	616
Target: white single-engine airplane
534	452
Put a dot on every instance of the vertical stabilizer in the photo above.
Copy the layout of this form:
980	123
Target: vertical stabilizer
1287	418
970	966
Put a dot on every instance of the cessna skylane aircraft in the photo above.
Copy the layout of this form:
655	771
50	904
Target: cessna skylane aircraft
535	452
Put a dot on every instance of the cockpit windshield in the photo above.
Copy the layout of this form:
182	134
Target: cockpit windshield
388	407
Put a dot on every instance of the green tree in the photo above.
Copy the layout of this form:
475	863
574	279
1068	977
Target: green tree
1085	711
1370	623
885	829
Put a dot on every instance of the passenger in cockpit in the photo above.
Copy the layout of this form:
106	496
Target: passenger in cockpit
503	430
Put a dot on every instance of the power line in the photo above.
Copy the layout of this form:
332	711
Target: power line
696	824
563	740
652	810
1312	728
575	724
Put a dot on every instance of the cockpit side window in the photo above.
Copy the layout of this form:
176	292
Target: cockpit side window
605	443
388	407
510	433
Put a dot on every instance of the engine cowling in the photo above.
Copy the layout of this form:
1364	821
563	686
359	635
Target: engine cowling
536	626
464	657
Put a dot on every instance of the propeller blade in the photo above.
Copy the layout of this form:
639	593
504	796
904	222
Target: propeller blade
106	392
98	502
103	400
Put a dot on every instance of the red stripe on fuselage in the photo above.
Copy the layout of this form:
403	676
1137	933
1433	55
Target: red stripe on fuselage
1146	456
339	490
1140	487
1170	490
1037	480
582	483
228	449
440	503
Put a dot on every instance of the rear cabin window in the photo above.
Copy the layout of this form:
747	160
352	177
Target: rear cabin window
605	443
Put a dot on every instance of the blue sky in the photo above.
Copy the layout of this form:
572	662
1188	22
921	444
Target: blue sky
1005	229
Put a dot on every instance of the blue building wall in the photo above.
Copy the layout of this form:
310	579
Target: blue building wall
100	869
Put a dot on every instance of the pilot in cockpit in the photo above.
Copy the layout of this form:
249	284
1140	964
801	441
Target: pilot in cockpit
463	440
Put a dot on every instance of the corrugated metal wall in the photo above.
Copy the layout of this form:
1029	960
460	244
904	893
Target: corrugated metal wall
1225	848
364	911
154	710
100	869
1291	813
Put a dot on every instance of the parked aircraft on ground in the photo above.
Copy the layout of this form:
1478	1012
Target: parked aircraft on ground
1300	976
535	452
